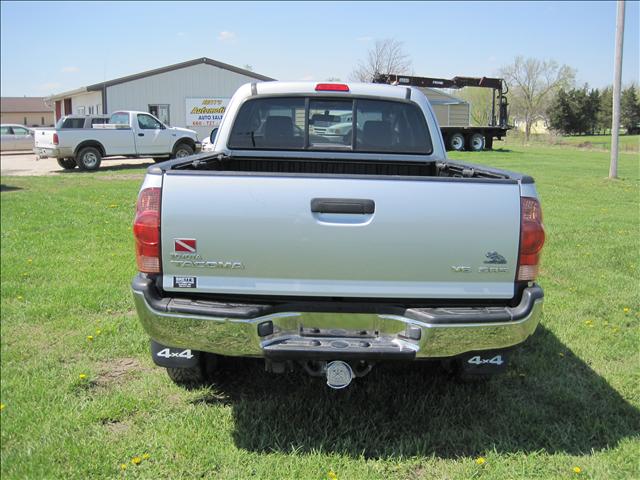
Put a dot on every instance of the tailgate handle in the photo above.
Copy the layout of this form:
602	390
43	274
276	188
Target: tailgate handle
343	205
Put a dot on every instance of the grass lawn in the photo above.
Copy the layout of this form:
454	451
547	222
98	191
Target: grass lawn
570	397
626	143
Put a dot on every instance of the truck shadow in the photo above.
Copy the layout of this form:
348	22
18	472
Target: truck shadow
105	167
549	400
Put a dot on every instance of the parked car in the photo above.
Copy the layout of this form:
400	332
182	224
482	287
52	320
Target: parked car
208	142
128	133
15	137
333	256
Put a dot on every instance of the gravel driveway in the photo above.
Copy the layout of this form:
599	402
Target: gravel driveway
25	164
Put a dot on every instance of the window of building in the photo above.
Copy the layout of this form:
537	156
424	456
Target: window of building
42	121
99	109
25	121
90	109
161	112
80	110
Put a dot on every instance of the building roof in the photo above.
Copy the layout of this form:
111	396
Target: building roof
177	66
23	105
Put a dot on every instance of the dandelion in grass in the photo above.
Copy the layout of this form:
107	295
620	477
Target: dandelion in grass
83	376
20	297
29	260
98	331
90	338
626	309
332	475
577	470
123	466
136	460
146	456
589	323
1	406
481	460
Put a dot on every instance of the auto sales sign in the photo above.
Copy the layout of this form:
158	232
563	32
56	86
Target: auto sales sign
205	112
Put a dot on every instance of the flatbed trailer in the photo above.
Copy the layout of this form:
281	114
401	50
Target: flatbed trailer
473	138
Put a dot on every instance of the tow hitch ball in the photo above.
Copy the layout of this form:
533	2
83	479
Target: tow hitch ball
339	374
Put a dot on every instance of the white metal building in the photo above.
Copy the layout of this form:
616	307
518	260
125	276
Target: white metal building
191	94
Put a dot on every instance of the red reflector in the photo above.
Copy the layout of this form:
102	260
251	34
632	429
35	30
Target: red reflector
531	238
332	87
55	139
146	230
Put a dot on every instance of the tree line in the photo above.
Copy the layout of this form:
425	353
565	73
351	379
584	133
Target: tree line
579	111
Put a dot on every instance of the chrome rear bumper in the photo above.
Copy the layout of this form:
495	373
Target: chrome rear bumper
410	333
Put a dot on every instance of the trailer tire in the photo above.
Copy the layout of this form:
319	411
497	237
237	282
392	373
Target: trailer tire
67	163
456	142
476	142
88	158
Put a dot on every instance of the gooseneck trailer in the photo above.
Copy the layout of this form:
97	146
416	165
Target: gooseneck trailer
468	137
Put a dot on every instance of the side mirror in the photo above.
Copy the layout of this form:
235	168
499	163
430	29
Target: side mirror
212	137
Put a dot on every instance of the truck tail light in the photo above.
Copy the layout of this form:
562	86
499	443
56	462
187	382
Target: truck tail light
332	87
531	238
55	139
146	230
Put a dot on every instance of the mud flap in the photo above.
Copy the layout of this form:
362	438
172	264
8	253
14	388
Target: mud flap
170	357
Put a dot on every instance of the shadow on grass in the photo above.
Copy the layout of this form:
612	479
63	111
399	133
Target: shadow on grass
109	168
8	188
546	401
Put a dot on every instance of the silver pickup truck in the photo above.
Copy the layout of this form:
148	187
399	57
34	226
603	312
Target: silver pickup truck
332	253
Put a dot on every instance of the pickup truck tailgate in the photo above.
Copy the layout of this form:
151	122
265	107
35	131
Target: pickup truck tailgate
288	235
43	138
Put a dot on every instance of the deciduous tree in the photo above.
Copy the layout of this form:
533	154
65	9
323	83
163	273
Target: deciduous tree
532	84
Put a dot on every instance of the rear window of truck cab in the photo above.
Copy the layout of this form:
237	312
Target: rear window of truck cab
319	123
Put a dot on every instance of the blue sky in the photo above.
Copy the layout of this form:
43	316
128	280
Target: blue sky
55	46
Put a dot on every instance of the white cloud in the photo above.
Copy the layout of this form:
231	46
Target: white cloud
226	36
364	39
50	86
69	69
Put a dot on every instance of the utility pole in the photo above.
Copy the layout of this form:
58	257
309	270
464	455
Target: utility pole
617	83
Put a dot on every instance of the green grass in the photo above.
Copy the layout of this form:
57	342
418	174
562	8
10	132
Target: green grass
626	143
570	397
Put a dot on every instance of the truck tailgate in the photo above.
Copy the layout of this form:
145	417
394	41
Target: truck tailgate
421	238
43	138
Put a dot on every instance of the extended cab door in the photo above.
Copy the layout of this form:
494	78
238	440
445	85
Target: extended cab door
152	137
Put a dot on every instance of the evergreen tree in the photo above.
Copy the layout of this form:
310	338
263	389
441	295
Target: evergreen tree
606	108
630	110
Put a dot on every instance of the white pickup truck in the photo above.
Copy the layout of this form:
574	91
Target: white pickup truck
128	134
334	252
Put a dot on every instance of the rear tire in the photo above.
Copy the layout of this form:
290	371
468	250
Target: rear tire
67	163
194	376
476	142
182	150
88	159
456	142
187	377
